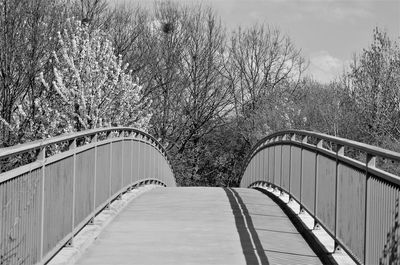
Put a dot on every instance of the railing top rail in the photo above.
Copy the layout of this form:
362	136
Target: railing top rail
357	188
34	145
369	149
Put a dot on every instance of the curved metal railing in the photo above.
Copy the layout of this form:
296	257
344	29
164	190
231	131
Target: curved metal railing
345	185
52	188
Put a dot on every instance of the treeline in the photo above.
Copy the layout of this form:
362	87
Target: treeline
207	94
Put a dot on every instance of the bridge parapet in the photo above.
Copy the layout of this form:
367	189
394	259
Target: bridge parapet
52	188
338	182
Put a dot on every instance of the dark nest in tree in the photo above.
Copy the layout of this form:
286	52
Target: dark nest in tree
86	21
167	27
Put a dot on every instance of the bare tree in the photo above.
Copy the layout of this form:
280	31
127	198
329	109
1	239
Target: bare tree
164	84
186	85
374	86
128	29
207	98
92	11
27	30
263	66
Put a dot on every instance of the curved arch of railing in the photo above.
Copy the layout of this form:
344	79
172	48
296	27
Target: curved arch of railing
339	183
65	181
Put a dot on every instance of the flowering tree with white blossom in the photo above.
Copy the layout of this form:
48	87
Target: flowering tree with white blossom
90	87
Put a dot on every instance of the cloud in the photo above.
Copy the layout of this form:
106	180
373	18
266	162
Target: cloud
350	12
332	10
325	67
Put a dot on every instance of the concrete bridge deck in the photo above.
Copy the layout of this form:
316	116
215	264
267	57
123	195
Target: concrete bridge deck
201	226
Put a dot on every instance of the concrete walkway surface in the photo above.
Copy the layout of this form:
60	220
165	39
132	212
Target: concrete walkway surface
200	226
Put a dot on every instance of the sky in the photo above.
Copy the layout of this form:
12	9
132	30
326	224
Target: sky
329	32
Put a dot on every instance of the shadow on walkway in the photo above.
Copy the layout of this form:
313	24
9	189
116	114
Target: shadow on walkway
308	236
251	244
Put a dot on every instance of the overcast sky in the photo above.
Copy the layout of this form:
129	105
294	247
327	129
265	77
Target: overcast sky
329	32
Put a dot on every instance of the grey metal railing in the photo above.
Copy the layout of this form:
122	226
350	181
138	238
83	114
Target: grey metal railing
339	183
65	182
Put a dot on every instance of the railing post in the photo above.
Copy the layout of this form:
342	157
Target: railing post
131	136
94	140
139	156
72	146
318	146
273	165
155	151
158	164
369	163
304	139
153	158
144	149
109	136
42	158
122	161
292	139
265	165
339	152
280	183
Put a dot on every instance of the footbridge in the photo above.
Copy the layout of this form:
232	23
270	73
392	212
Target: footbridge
305	198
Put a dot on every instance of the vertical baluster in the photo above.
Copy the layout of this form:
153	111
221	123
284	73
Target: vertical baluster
122	133
264	165
123	162
259	158
138	155
72	146
110	136
379	219
159	165
274	167
292	139
141	154
303	141
146	158
251	172
318	146
283	139
153	158
339	152
94	140
42	157
373	193
132	136
370	163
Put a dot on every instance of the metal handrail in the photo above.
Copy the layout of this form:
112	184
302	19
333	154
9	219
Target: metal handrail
88	175
43	143
367	148
369	180
38	144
